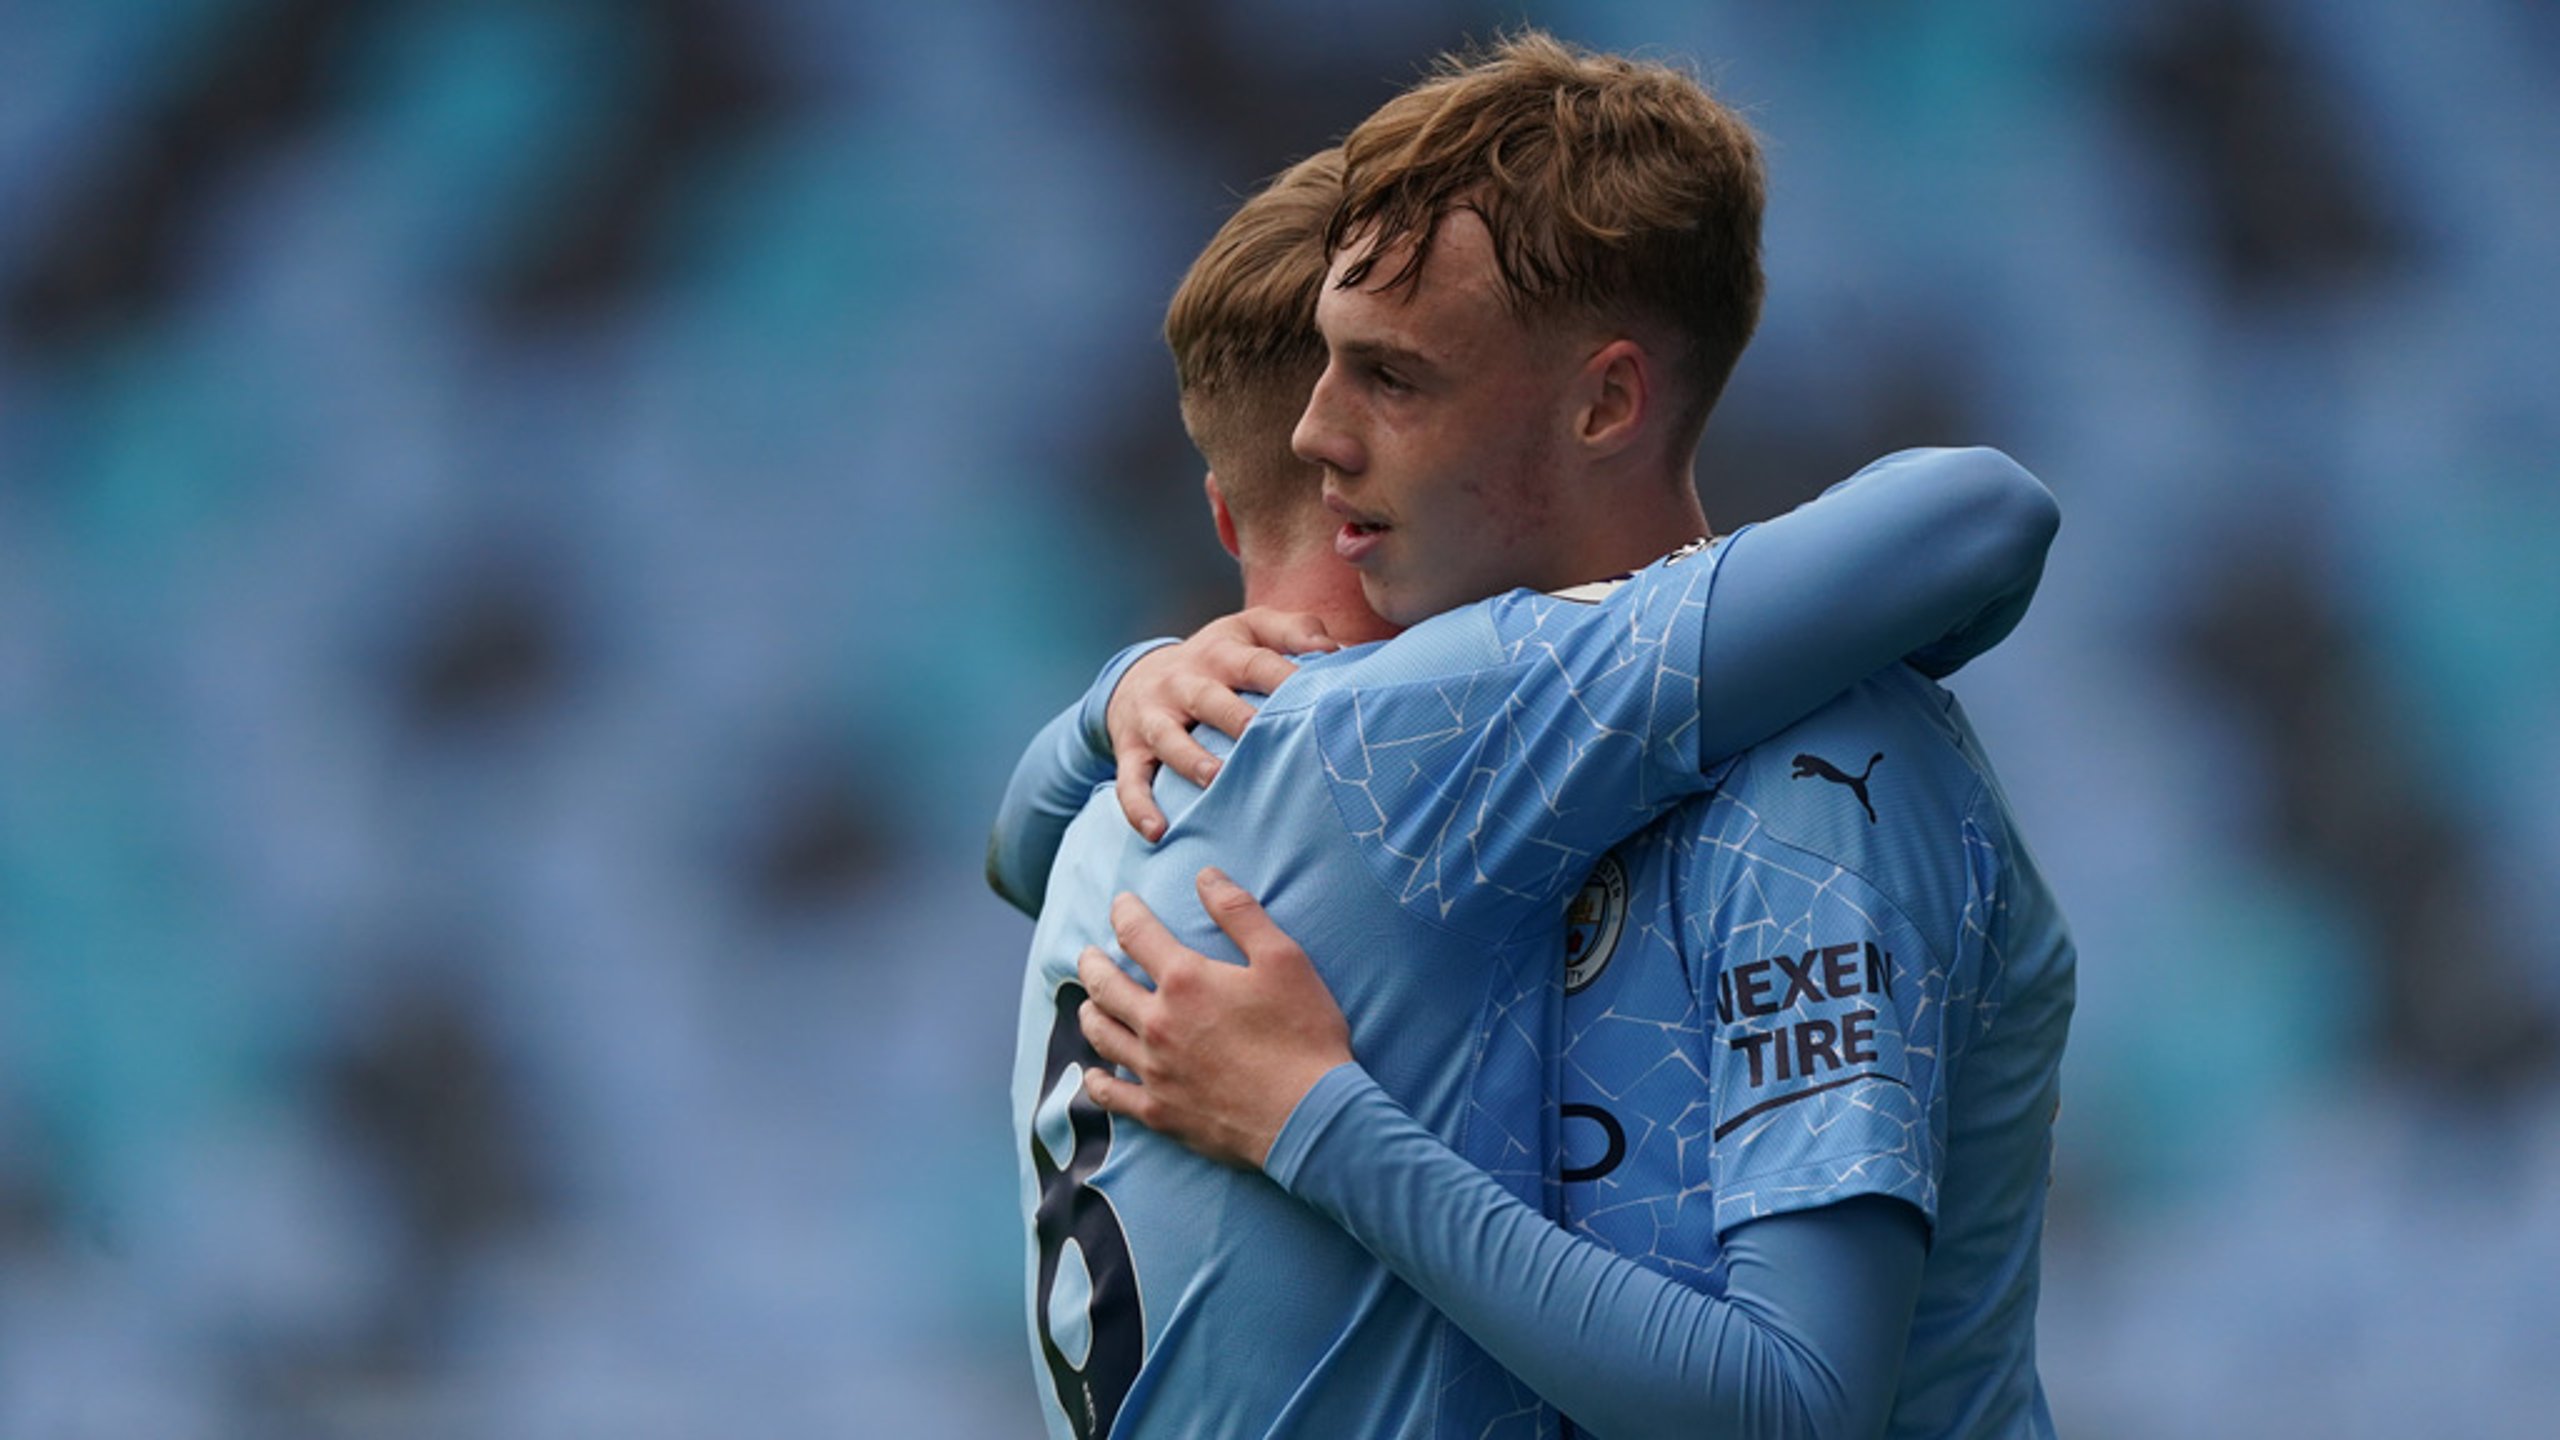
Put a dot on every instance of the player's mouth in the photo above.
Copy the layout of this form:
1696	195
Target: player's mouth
1356	539
1359	533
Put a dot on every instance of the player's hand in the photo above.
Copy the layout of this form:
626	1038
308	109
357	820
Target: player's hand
1222	1053
1173	687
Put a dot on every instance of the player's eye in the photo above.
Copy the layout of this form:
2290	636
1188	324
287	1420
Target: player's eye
1388	381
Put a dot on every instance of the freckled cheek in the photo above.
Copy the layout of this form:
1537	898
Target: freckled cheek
1509	501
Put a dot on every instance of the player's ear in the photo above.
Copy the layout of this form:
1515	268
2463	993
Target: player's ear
1220	515
1615	389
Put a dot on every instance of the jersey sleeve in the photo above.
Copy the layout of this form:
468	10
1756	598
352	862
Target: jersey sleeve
1929	556
1510	778
1807	1339
1546	729
1832	1007
1055	776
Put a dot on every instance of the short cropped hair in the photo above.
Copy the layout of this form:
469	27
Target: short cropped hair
1614	189
1242	327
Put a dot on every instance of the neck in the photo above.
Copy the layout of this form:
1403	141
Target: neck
1318	584
1645	517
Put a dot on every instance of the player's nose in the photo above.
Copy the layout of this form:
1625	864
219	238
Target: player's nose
1323	435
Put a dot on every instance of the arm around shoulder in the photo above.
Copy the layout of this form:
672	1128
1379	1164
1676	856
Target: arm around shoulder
2005	513
2008	521
1926	556
1055	776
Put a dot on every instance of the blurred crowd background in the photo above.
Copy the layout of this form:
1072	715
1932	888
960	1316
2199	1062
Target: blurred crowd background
531	532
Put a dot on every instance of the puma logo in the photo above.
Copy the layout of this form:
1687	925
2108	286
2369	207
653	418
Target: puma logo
1812	767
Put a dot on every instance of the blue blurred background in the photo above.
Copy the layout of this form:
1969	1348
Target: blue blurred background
531	531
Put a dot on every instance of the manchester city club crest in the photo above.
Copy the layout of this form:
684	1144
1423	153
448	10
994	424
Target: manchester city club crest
1592	923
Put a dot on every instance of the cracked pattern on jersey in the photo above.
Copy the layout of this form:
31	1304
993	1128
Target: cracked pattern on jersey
1488	741
1505	1131
1780	1024
1783	1141
1770	1037
1477	795
1491	782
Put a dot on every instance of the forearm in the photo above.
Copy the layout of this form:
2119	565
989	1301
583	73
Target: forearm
1929	556
1056	775
1808	1344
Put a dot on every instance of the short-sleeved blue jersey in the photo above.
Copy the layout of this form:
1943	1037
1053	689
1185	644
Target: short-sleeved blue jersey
1838	974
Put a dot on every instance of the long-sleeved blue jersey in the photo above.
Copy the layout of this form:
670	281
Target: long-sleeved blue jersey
1422	809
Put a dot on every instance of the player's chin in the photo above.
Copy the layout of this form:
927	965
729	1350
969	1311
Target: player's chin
1397	603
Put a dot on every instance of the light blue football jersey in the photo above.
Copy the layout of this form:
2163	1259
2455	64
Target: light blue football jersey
1839	974
1422	809
1434	800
